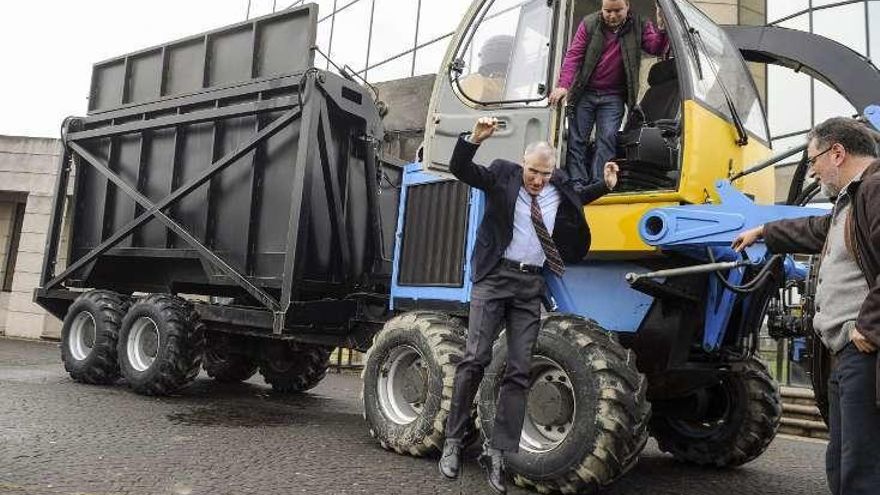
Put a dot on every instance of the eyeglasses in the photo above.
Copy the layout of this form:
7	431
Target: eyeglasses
812	161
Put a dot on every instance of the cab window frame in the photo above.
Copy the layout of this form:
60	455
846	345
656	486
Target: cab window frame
455	75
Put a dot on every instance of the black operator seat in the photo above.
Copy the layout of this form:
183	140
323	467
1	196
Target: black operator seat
650	138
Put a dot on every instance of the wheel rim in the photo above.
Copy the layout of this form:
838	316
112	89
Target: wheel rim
143	343
402	385
83	332
552	407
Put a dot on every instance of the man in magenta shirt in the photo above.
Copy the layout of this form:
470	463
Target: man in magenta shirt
600	73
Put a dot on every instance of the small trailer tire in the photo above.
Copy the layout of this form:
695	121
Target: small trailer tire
293	367
161	344
89	336
224	363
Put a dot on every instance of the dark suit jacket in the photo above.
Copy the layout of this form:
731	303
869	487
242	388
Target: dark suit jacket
501	182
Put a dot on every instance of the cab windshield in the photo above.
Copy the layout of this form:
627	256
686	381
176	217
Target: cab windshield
717	74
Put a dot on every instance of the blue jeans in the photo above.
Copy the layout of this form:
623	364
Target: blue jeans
852	461
606	113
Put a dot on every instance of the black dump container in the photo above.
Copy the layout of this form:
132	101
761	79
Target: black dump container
225	164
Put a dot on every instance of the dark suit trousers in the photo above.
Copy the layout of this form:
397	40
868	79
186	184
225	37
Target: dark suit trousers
513	298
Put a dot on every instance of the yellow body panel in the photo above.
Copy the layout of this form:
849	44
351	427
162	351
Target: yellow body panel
615	229
711	153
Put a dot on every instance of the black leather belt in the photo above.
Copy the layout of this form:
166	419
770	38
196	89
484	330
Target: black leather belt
518	266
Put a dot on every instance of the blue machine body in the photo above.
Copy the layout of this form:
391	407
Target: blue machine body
598	289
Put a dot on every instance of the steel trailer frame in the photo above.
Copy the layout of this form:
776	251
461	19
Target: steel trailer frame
313	88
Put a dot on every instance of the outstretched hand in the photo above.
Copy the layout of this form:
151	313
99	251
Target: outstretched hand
483	129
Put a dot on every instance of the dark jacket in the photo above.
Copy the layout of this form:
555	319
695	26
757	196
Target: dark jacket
808	235
630	48
501	182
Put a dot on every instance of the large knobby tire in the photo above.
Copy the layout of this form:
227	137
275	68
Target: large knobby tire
741	420
161	344
407	381
292	367
89	335
587	415
225	360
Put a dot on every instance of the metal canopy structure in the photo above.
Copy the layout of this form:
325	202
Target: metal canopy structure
838	66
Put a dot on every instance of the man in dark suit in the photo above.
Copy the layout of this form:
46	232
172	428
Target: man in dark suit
534	220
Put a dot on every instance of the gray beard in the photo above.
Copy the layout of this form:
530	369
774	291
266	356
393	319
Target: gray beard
830	191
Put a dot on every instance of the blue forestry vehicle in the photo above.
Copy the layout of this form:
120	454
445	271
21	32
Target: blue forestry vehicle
231	211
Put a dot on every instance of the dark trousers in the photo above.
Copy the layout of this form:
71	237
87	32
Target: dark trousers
606	113
853	457
514	298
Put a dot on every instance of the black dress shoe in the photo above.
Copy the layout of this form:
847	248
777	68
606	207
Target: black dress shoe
450	461
492	462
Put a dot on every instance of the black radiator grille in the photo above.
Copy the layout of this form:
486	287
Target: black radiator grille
434	232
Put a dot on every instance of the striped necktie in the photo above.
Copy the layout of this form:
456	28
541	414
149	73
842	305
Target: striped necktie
554	261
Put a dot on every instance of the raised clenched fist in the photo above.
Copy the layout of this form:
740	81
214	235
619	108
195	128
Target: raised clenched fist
483	129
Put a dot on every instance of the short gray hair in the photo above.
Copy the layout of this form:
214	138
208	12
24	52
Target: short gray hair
855	137
543	150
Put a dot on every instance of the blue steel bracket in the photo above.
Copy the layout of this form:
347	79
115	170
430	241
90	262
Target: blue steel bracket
872	113
715	225
691	229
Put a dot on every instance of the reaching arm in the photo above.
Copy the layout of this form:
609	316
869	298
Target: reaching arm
654	41
463	167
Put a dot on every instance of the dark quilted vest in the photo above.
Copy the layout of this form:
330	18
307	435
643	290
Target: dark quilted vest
631	51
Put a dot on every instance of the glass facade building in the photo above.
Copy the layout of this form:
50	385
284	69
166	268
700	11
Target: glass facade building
386	39
855	24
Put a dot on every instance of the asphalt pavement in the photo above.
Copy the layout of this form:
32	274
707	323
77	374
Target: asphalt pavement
62	437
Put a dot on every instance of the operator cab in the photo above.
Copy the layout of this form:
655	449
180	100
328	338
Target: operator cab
699	117
504	60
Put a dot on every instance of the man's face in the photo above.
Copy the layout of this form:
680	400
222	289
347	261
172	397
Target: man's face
614	12
536	173
825	166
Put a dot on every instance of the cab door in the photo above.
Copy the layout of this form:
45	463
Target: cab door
498	64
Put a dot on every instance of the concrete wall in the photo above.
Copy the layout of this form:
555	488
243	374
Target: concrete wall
27	167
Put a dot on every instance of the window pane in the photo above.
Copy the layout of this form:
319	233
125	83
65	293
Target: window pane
325	7
788	103
874	26
507	57
788	143
429	57
851	33
720	69
829	104
439	17
394	29
395	69
350	33
801	23
323	41
777	9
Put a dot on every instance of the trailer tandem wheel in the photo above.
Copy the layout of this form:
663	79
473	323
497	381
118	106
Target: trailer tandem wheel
224	361
89	336
741	418
292	367
160	344
407	381
587	414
